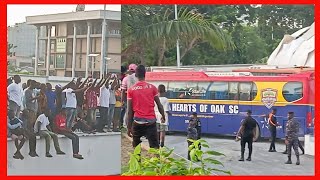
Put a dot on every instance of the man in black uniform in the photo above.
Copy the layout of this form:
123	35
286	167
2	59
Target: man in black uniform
272	121
194	130
247	131
292	130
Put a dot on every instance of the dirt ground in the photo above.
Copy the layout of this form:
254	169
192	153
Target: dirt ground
126	148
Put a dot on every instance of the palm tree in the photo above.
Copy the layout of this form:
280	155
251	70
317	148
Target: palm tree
162	31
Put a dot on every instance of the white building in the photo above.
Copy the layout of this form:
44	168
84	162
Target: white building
73	43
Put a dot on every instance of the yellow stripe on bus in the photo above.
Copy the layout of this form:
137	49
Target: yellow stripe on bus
231	102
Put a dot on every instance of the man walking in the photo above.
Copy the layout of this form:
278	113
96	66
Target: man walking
247	132
292	130
141	116
272	121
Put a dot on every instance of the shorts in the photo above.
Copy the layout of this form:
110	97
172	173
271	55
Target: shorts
162	127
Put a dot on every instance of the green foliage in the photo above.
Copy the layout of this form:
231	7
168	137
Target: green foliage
255	32
10	48
162	163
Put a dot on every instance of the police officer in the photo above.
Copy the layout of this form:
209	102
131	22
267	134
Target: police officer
193	131
292	130
272	121
300	147
247	132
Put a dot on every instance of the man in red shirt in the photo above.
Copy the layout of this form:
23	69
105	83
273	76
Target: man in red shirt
61	128
141	116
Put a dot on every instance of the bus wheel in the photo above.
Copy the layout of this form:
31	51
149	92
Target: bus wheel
258	134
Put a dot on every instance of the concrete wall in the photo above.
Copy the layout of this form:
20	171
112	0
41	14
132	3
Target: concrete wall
101	154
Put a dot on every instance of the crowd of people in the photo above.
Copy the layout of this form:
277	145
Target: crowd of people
35	109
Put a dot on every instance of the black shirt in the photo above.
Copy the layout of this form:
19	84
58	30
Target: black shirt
249	124
273	123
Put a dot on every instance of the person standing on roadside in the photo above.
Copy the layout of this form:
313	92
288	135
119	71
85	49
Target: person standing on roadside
292	130
272	121
141	116
127	82
247	133
162	127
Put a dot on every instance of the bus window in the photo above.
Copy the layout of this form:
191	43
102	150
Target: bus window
199	92
254	91
233	91
292	91
181	90
245	91
218	91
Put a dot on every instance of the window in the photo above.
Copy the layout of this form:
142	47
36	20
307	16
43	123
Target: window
233	91
53	31
52	46
181	90
254	91
51	59
60	61
245	91
292	91
218	91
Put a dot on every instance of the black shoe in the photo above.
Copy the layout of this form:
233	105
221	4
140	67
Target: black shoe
77	156
33	154
101	131
298	163
270	150
161	144
241	159
302	152
61	153
48	155
248	159
288	162
18	155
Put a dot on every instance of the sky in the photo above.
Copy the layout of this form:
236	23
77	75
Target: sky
18	13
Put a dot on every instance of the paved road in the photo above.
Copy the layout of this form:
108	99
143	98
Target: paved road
263	162
101	152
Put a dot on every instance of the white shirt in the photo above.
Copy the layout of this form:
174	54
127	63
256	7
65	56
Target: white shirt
112	99
71	98
165	103
104	97
44	123
15	93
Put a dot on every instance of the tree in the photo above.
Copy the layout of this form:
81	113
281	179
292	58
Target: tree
10	48
162	32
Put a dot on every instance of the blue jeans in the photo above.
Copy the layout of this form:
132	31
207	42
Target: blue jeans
110	115
71	115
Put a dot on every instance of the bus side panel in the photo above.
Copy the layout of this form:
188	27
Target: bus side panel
282	112
178	123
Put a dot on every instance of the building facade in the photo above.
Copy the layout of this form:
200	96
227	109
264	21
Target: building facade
73	43
22	37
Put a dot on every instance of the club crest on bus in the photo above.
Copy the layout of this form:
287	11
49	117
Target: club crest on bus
269	97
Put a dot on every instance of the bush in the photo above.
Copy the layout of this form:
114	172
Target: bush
163	164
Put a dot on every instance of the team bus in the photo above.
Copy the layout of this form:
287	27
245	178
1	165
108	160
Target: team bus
222	99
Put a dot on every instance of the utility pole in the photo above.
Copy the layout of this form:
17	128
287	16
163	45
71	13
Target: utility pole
103	38
178	46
